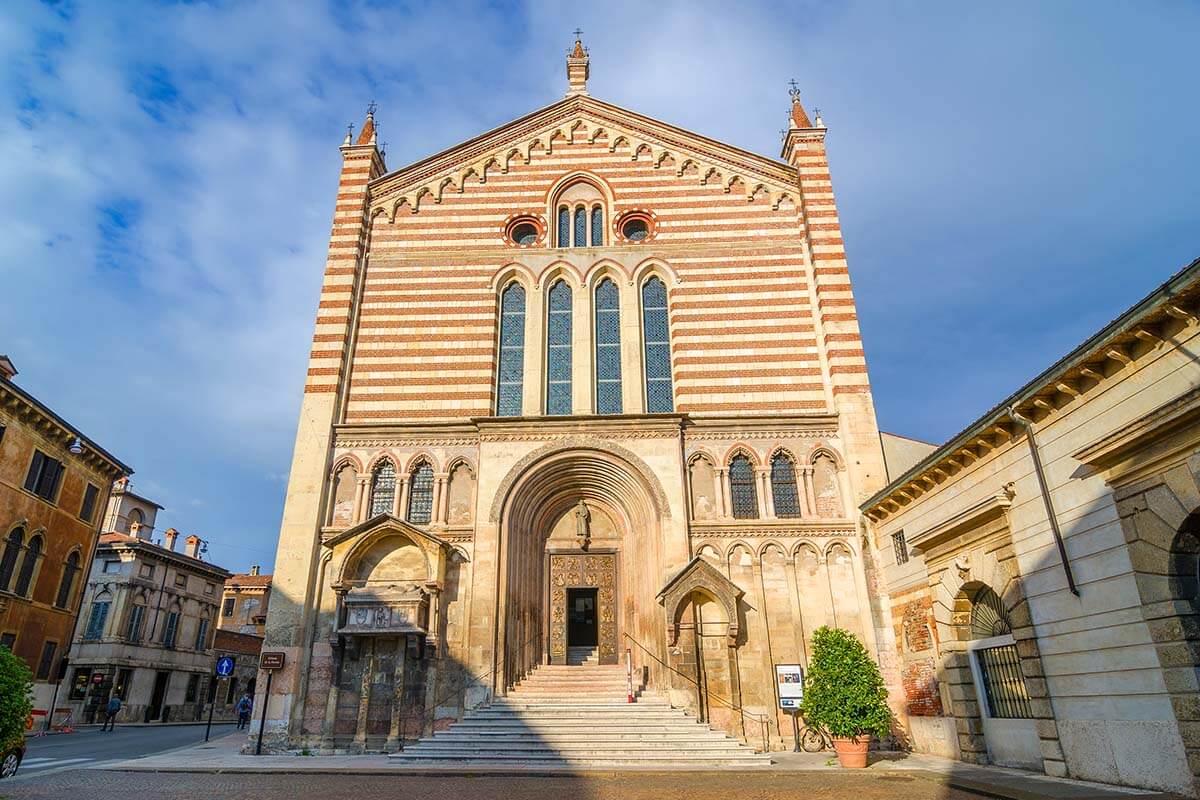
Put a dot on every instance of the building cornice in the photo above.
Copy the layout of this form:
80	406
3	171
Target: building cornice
986	510
28	409
1134	335
1147	441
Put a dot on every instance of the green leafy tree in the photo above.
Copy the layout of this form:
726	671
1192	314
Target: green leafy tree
844	692
16	696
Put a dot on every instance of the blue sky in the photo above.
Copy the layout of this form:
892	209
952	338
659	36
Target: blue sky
1010	177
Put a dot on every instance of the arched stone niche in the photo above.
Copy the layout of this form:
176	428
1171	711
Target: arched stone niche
702	578
460	509
705	500
827	489
345	485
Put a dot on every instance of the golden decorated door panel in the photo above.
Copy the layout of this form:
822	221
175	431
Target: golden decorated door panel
581	571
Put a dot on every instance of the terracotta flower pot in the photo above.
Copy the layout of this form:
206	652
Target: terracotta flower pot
852	753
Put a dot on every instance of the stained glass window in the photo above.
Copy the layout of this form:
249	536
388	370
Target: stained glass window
580	227
657	339
741	488
420	494
564	227
512	351
558	350
608	348
783	486
597	226
383	489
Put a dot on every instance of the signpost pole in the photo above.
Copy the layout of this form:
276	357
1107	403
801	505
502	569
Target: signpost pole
262	722
212	705
796	729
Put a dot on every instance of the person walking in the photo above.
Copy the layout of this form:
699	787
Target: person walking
110	714
244	707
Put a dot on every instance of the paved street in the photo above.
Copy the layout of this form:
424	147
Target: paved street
89	746
108	785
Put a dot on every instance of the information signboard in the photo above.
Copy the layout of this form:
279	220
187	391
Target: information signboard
789	685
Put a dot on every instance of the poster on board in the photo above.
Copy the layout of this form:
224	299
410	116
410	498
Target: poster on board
789	685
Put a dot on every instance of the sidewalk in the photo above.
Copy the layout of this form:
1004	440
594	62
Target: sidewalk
223	756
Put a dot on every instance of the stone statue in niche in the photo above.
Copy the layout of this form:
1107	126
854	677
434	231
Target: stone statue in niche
583	525
825	486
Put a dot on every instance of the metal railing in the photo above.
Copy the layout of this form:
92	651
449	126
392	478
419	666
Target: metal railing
702	694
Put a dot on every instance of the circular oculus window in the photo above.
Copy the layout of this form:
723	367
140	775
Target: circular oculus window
635	229
525	233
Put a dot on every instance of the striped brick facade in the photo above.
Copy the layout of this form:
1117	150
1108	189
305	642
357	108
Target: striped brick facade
403	442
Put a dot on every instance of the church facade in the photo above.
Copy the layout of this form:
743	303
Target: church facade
586	381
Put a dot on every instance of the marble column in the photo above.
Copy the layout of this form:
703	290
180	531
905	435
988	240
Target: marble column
723	481
400	502
767	504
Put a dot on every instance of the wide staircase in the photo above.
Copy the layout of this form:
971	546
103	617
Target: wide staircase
579	716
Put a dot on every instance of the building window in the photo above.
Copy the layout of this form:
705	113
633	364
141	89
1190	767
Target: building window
784	495
741	488
202	634
657	344
80	682
558	350
231	693
383	488
181	580
8	640
44	476
66	586
900	547
512	351
227	606
2	429
89	503
564	227
580	227
121	687
420	494
46	662
597	226
170	630
96	619
635	227
523	231
137	616
608	348
193	689
110	567
209	588
13	545
146	571
33	552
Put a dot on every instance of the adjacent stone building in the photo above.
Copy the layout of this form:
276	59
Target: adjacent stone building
53	480
1041	566
244	602
586	380
146	631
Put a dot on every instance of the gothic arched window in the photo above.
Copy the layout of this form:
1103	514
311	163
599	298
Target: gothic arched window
608	348
510	381
66	586
383	488
33	551
564	226
597	226
580	226
741	488
420	494
558	350
13	545
657	343
783	486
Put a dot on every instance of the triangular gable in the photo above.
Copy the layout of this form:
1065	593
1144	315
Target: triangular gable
427	180
699	575
380	521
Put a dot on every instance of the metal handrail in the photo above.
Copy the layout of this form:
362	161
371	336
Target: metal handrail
762	719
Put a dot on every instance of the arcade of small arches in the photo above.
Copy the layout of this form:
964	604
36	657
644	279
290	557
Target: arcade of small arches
745	487
421	493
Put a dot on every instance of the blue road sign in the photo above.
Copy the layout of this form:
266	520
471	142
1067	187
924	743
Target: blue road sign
225	666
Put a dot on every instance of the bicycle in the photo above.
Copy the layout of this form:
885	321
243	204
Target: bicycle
814	740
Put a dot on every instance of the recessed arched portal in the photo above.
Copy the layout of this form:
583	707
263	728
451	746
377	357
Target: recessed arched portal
547	550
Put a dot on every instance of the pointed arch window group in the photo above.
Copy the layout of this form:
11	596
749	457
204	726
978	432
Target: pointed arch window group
420	491
778	489
607	362
575	224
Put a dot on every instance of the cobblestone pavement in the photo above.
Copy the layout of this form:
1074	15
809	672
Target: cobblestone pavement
109	785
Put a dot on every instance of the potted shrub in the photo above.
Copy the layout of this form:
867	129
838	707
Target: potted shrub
16	689
845	695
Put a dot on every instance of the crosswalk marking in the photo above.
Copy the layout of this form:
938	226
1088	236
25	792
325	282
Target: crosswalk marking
52	762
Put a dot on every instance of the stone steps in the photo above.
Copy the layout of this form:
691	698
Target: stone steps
579	716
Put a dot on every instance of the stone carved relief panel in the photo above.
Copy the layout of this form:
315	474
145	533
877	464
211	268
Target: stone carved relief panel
584	570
